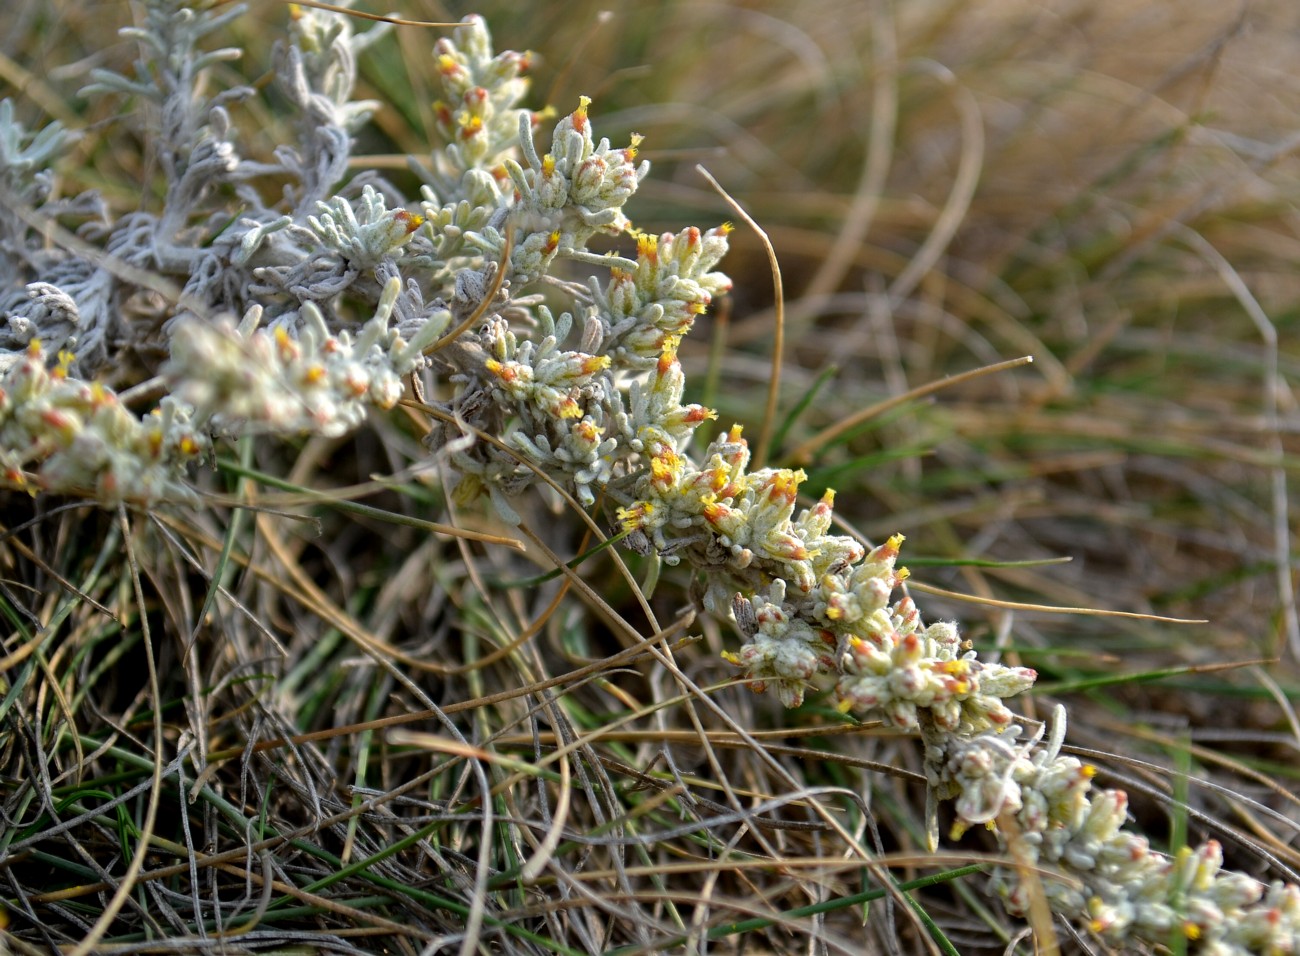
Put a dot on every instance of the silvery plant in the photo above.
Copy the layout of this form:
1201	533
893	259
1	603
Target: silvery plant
325	308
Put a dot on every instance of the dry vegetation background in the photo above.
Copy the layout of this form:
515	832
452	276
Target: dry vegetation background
1112	187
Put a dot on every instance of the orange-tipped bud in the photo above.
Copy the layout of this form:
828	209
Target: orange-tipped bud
793	550
647	248
412	221
580	114
507	373
66	359
785	486
358	385
61	421
634	517
286	346
695	414
887	551
664	468
714	511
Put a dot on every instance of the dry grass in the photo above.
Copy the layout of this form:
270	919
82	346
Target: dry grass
353	736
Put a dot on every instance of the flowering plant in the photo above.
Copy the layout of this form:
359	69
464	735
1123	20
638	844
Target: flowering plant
315	313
